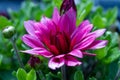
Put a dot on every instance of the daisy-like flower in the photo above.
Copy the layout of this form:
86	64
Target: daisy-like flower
60	40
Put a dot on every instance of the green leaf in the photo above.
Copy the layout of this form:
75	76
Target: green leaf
111	16
81	17
92	78
57	3
78	75
48	11
82	14
113	55
4	22
99	21
31	75
21	74
14	73
101	53
1	57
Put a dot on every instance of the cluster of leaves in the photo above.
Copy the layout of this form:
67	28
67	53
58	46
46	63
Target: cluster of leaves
102	67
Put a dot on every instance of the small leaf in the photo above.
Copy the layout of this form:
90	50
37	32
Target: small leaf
48	11
14	73
21	74
92	78
99	21
82	14
113	55
101	53
4	22
1	57
57	3
111	16
78	75
31	75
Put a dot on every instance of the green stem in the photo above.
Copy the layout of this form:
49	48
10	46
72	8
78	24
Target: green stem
39	72
17	52
117	75
63	71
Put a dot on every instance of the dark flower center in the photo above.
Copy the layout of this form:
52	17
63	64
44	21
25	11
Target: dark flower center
59	43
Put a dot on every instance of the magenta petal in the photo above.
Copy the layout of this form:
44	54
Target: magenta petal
49	24
29	26
76	53
80	34
71	13
85	42
98	44
71	61
56	15
56	62
80	27
88	54
99	32
39	51
84	23
32	41
67	22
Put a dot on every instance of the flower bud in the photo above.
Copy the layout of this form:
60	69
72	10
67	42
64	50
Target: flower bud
34	61
66	5
8	32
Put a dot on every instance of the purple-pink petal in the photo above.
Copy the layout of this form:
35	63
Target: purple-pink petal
39	51
85	42
71	61
56	62
32	41
88	54
49	24
81	26
80	34
98	44
76	53
29	26
99	32
67	22
56	15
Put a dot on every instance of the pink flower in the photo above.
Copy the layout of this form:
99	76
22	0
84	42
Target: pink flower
60	40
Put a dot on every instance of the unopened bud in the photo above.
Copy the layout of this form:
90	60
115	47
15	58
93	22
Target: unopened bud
8	32
66	5
34	61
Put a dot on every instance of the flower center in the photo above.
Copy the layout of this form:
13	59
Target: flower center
59	43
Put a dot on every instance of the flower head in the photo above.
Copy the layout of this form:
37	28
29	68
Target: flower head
60	40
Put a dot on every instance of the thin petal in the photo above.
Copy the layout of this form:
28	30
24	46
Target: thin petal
85	42
76	53
49	23
84	23
56	15
29	26
88	54
80	34
32	41
71	61
56	62
99	32
39	51
67	22
71	13
98	44
80	27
